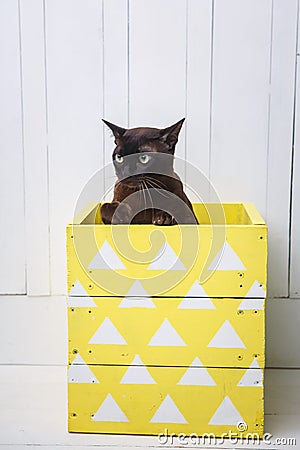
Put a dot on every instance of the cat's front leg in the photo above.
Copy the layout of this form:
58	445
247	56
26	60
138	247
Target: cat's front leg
116	213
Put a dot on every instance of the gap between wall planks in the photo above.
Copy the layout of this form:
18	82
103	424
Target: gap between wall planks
295	186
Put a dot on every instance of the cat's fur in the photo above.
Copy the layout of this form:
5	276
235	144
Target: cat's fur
154	180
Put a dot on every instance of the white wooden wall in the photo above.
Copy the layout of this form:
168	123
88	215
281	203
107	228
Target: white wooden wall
228	66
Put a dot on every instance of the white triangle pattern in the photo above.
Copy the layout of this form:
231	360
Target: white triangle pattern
107	333
226	337
81	373
252	304
227	259
137	290
78	290
196	303
137	373
166	335
226	414
196	291
253	376
256	290
166	259
107	259
109	411
137	302
168	413
196	376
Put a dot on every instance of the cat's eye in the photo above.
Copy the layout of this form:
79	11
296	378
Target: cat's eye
119	158
144	159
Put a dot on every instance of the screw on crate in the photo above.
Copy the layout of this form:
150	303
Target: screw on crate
240	311
240	357
75	351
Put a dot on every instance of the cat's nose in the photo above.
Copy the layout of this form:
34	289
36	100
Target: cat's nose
129	170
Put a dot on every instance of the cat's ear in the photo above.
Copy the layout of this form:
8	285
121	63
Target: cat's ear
117	131
170	135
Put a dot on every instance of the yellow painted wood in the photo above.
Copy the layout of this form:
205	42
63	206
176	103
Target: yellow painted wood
153	348
136	246
196	328
139	403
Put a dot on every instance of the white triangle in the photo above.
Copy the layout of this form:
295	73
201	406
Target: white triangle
109	411
226	337
226	414
137	373
196	376
166	259
168	413
196	291
227	259
196	303
256	290
166	335
253	376
137	302
137	290
107	333
106	258
81	302
78	289
252	303
79	372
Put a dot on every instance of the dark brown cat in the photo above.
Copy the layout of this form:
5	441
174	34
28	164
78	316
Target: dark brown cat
147	191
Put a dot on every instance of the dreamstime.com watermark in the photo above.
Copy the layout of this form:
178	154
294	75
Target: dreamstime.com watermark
230	437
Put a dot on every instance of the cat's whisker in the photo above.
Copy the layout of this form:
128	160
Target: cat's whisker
147	190
159	183
156	183
158	189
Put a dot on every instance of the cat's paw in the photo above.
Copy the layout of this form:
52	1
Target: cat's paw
122	215
163	218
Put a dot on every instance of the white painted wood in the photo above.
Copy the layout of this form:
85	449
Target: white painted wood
199	46
35	146
240	108
295	213
282	87
282	394
33	330
115	14
75	106
282	333
12	274
157	64
34	412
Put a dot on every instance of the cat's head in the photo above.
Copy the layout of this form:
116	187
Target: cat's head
144	150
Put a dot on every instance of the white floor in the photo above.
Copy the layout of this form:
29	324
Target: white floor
33	412
33	390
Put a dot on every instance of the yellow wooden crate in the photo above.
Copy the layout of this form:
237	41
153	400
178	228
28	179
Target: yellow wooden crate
166	329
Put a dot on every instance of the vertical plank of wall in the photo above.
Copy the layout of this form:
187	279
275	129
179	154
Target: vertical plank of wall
240	107
199	52
74	50
282	79
115	14
295	225
35	147
157	64
12	276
